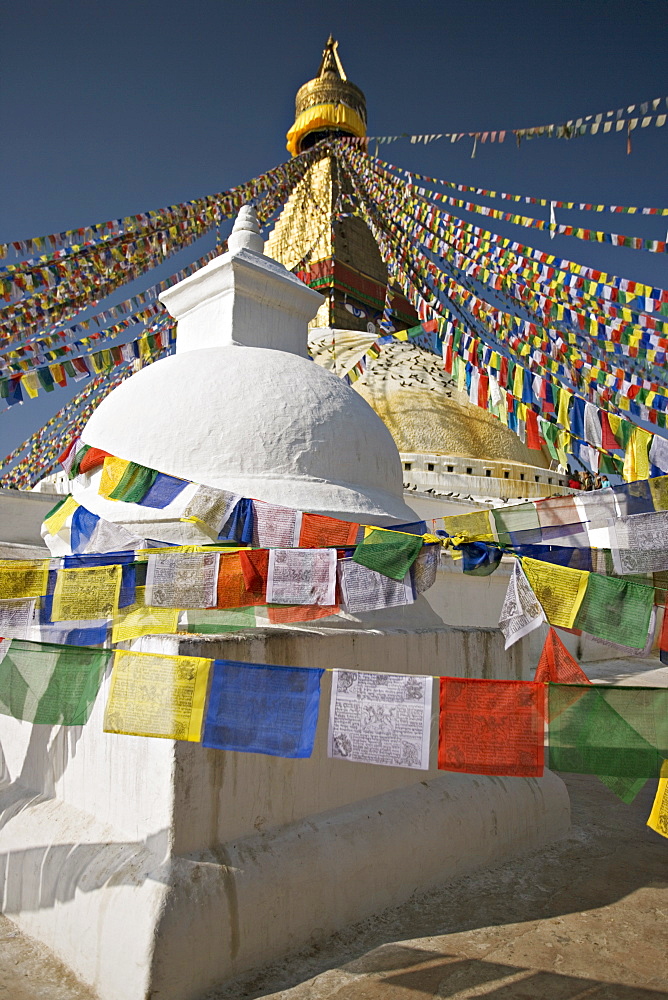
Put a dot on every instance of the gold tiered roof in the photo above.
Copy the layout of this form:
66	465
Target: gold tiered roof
328	102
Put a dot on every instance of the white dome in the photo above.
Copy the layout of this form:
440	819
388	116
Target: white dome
261	423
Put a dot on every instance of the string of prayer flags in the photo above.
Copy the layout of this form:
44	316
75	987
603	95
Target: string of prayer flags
49	684
521	612
617	610
363	589
262	708
658	818
491	727
618	731
302	576
556	665
90	592
182	581
391	553
157	695
559	590
378	718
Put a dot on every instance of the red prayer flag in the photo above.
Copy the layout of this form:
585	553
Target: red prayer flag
533	436
320	532
556	665
608	440
283	614
92	458
491	727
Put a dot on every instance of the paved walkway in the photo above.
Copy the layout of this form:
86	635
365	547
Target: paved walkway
585	919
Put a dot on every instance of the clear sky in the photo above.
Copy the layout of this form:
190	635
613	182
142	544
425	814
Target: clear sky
115	108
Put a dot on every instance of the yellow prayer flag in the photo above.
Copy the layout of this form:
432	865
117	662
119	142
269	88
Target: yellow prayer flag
139	619
614	420
156	695
475	526
23	578
659	488
113	471
30	383
89	592
562	414
56	521
658	818
558	589
636	459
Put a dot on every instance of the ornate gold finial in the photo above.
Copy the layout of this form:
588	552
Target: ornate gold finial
328	103
330	64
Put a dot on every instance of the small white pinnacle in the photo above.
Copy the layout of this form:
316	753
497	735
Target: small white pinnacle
245	233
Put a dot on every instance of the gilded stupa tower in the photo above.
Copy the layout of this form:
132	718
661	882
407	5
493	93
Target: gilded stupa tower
315	234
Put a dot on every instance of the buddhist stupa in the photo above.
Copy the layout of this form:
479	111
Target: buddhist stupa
420	405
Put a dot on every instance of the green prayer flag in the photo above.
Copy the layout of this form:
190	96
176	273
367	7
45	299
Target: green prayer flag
388	552
213	621
57	507
625	789
74	469
134	484
610	731
616	609
50	685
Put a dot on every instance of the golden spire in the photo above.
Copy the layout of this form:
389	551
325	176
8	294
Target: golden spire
328	104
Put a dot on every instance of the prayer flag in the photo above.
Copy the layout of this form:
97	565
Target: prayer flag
391	553
213	621
363	589
473	527
163	491
301	576
134	483
557	665
521	613
658	818
619	731
209	509
91	593
317	532
491	727
23	578
509	521
560	590
262	708
617	610
140	619
379	718
182	580
50	685
232	591
55	519
156	695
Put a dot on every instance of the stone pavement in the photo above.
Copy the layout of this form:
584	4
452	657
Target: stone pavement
584	919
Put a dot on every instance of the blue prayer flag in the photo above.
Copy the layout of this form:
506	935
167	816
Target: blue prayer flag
262	708
163	490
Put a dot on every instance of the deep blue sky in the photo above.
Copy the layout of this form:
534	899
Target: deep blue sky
115	108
